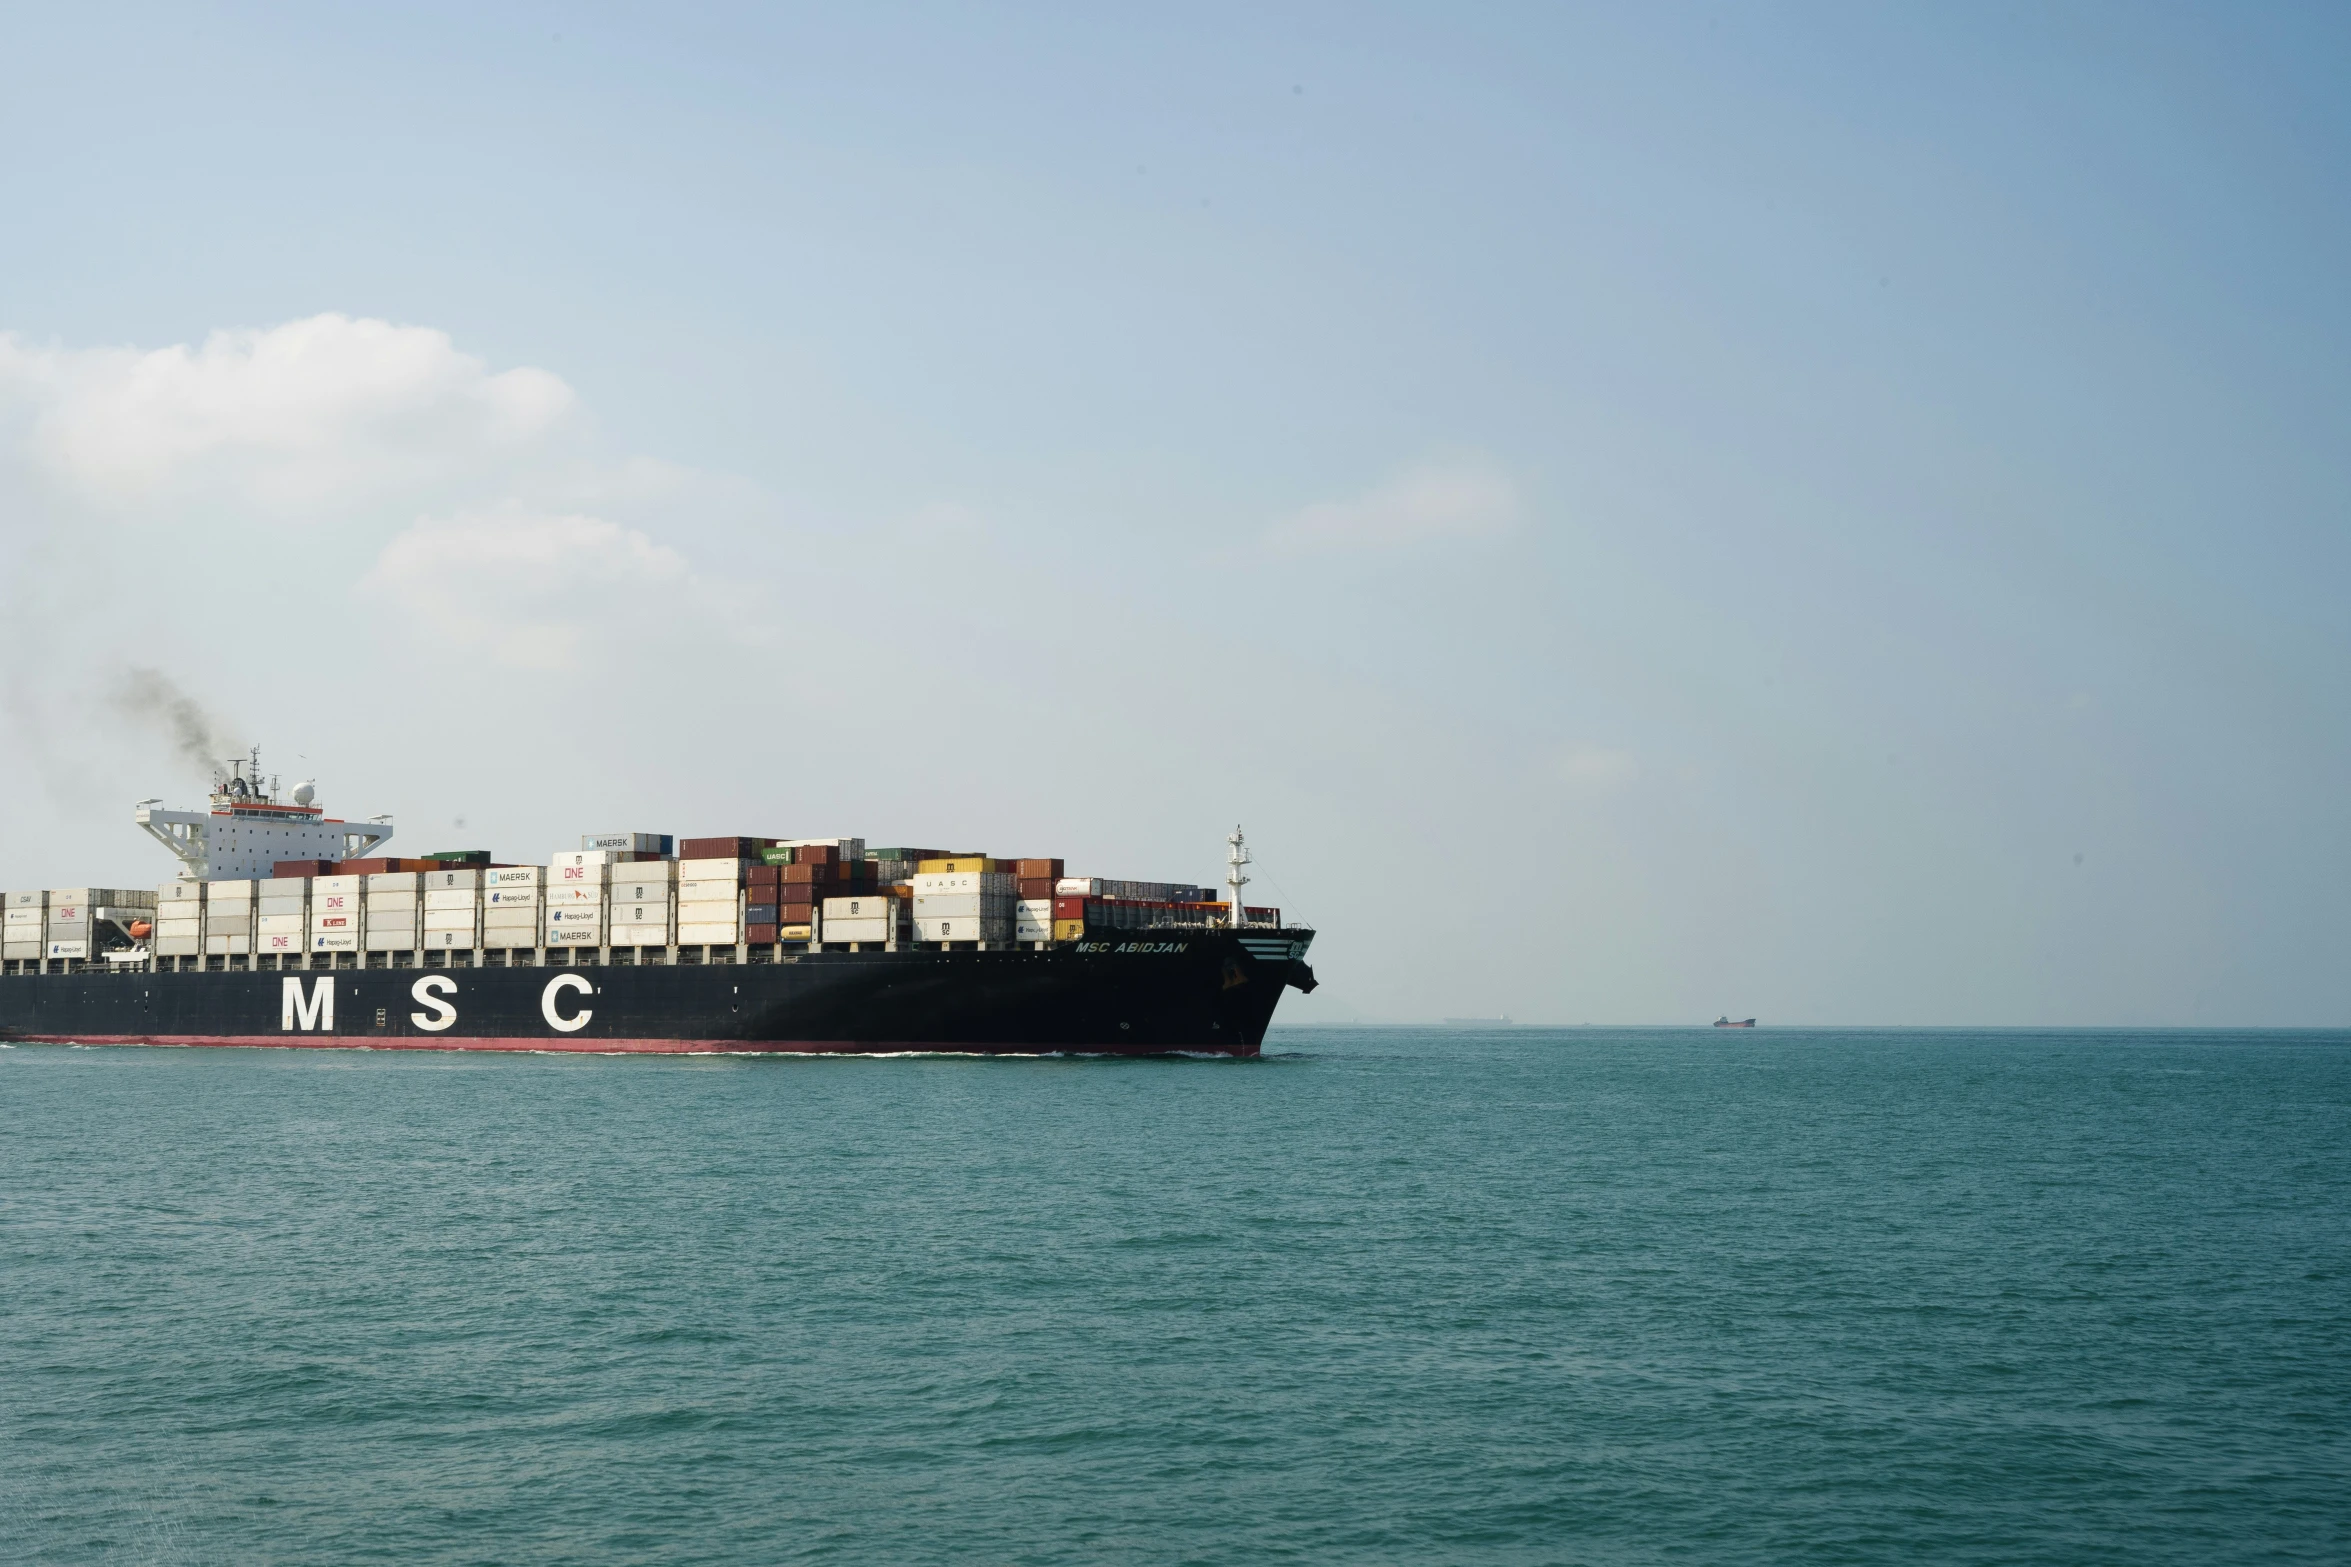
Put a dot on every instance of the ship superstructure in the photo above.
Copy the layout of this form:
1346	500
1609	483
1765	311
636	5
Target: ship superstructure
249	828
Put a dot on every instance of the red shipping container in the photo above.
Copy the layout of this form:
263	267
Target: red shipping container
760	935
303	868
816	854
1035	886
1070	908
1033	870
722	848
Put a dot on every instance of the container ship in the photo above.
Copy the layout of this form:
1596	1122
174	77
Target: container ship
287	927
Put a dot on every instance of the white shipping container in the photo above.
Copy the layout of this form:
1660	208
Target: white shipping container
708	934
635	888
189	892
219	946
1032	920
514	876
27	900
868	927
290	941
578	876
392	881
569	937
227	916
20	949
453	898
284	895
640	914
575	916
575	897
513	897
29	917
962	929
864	906
341	886
449	940
389	939
584	861
190	926
450	919
452	881
511	914
68	949
999	882
229	895
707	910
187	946
334	942
968	905
707	890
392	903
282	924
334	924
728	871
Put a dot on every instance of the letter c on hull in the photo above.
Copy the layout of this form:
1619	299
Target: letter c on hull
427	992
556	987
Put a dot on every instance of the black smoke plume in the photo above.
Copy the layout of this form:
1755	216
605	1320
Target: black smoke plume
196	737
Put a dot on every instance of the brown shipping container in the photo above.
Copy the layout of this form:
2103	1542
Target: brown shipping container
1030	870
298	868
1035	886
722	848
816	854
800	874
759	935
760	875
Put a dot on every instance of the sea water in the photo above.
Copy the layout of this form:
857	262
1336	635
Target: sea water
1389	1295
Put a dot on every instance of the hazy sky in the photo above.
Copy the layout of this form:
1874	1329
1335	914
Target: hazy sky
1836	513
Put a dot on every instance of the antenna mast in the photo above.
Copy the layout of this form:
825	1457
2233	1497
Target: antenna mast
1233	877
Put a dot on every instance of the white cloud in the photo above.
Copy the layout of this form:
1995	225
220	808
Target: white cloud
545	590
289	418
1466	497
1597	770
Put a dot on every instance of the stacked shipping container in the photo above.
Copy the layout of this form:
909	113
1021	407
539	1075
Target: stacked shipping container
618	891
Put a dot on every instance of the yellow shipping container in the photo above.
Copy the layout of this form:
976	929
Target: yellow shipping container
791	933
967	866
1069	930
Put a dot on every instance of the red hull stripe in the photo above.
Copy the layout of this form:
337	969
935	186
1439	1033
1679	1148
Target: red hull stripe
597	1047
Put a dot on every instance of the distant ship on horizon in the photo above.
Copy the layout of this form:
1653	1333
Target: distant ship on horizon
1477	1022
1727	1021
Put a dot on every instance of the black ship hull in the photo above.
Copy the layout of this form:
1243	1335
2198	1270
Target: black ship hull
1142	993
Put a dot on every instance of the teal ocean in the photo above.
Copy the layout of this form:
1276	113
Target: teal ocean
1387	1296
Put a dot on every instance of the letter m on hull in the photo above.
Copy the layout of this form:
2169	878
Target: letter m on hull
315	1012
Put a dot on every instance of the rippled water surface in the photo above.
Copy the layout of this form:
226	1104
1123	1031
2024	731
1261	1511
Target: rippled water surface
1388	1296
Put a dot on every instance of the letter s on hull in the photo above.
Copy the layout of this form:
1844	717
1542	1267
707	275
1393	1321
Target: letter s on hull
427	992
556	987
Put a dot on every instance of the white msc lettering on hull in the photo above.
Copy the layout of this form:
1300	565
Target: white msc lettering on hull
427	992
555	987
316	1011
